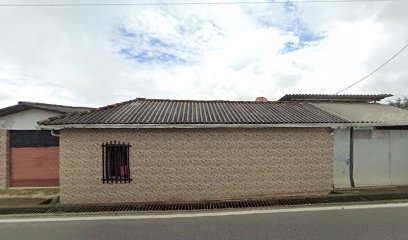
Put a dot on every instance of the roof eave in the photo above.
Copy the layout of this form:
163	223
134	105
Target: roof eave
24	107
335	97
192	126
13	109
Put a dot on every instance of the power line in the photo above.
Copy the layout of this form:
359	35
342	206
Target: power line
185	3
375	70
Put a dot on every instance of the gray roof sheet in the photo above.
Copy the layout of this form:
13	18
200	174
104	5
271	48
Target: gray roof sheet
160	111
335	97
23	106
366	112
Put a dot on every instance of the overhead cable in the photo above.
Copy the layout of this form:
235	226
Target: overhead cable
375	70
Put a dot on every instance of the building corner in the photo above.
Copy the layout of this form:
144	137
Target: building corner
4	158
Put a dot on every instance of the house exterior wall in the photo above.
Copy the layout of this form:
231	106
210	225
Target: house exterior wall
371	158
198	164
341	158
25	120
380	157
4	158
399	157
11	176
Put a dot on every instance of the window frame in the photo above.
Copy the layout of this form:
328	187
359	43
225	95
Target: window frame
116	162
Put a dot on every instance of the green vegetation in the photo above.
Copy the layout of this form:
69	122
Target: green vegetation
11	202
401	102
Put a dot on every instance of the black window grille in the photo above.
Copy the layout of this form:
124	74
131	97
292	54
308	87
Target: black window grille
115	162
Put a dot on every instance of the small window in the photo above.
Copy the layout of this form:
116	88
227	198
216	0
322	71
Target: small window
115	162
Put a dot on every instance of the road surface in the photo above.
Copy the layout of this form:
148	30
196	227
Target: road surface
378	223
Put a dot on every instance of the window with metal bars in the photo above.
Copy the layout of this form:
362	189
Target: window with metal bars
115	162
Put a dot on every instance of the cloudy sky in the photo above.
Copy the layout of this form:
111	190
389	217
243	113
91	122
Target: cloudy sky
97	55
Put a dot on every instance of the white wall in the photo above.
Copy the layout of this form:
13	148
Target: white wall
25	120
399	157
371	158
341	158
380	158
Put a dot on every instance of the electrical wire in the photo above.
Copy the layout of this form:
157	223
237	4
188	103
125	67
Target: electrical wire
184	3
375	70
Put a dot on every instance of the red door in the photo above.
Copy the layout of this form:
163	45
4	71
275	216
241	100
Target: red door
34	159
34	167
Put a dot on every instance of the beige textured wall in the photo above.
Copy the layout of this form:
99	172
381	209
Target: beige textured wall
4	158
198	164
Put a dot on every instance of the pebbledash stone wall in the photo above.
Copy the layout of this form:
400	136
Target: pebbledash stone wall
198	164
4	158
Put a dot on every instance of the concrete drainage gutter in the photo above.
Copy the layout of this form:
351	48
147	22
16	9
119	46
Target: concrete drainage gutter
162	207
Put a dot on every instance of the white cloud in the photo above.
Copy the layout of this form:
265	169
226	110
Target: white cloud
71	55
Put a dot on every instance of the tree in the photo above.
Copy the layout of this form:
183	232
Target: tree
401	102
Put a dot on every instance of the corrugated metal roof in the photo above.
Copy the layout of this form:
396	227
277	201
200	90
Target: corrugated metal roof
366	112
54	107
23	106
335	97
160	111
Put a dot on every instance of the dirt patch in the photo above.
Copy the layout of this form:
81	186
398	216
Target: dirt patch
12	202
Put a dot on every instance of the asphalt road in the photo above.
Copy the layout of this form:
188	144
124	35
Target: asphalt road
384	223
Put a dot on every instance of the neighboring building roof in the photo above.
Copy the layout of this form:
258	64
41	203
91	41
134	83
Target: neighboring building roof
23	106
335	98
366	112
160	111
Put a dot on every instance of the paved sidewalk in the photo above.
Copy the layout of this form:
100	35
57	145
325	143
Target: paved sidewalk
372	190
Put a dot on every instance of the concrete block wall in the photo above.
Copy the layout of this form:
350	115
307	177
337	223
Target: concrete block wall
198	164
4	158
